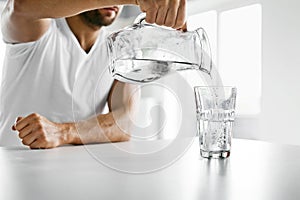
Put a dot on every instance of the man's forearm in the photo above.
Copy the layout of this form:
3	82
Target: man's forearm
37	132
57	8
100	129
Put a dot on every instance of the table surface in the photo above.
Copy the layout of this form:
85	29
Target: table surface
255	170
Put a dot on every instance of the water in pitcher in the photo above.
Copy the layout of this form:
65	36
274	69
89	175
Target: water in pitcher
146	70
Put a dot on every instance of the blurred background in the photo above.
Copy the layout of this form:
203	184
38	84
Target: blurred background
255	46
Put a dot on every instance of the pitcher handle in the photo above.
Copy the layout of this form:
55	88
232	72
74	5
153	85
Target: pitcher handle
206	56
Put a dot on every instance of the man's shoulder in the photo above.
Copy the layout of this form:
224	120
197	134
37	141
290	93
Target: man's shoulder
37	46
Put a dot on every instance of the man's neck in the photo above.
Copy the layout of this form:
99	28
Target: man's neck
85	34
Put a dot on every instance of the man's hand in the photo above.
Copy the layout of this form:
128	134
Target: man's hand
37	132
170	13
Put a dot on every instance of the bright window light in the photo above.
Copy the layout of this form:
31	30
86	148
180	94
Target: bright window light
239	55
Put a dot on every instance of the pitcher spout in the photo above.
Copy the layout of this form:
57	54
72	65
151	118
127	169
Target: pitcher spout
205	51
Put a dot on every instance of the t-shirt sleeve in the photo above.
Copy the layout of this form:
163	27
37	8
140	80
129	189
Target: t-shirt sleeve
17	49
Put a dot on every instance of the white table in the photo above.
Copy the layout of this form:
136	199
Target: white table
255	170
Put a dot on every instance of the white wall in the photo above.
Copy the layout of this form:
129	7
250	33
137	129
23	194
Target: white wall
280	104
281	71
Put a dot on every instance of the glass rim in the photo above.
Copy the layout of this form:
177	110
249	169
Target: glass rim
217	86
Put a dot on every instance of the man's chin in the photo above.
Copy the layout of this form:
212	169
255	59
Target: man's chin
107	22
99	17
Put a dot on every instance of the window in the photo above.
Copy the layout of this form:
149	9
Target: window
239	55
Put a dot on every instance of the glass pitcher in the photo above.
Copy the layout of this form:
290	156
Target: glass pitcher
145	52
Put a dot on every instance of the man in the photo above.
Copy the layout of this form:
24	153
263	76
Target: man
49	56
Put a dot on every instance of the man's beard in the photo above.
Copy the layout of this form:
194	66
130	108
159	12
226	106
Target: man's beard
95	18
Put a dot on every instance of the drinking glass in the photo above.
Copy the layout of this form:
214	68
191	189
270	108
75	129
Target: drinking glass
215	108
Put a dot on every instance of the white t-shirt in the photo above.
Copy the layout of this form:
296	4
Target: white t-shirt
53	77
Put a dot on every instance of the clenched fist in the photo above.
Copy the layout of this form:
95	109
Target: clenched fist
38	132
171	13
